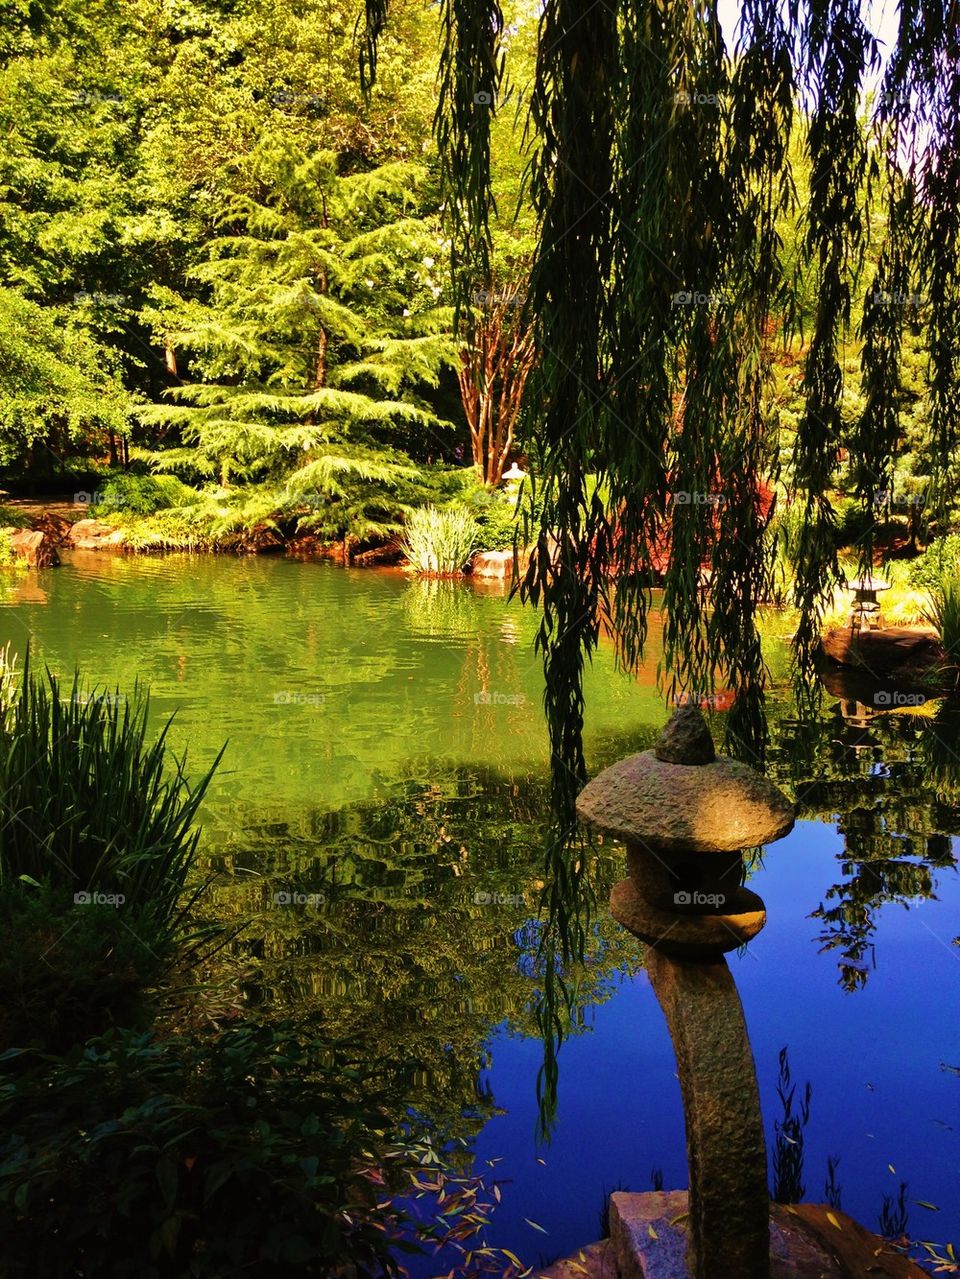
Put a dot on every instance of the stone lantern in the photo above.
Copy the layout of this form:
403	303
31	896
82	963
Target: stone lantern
865	613
686	817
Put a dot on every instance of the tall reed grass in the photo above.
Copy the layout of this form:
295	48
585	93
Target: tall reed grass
98	847
439	542
88	802
944	613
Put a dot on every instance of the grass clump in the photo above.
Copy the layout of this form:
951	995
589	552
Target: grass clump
944	613
97	850
439	541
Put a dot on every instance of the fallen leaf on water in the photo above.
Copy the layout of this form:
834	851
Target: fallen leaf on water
535	1226
651	1232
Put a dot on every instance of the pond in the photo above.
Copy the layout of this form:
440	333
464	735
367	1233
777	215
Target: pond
379	813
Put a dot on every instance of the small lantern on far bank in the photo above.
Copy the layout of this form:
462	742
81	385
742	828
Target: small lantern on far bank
514	473
865	613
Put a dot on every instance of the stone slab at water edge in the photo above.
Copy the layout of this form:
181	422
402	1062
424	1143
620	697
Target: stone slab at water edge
648	1240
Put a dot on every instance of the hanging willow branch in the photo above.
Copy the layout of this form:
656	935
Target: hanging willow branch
664	181
572	110
470	83
837	50
370	27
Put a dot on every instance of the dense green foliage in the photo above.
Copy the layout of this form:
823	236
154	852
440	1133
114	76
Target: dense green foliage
940	559
245	1151
219	255
222	254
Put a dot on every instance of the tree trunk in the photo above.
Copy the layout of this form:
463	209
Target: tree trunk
494	366
320	376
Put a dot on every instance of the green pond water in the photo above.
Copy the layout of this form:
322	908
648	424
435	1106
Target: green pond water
377	822
327	684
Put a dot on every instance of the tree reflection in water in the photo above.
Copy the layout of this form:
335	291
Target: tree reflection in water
426	939
890	782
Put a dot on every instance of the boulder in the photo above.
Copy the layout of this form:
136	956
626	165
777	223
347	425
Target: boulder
34	546
595	1261
56	527
497	564
649	1235
95	535
893	650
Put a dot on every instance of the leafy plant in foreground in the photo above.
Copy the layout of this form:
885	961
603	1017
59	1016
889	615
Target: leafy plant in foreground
944	613
89	804
250	1153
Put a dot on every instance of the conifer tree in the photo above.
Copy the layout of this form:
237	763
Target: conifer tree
317	334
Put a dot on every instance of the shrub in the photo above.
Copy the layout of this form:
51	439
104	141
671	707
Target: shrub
852	520
940	559
497	522
8	557
67	971
245	1153
215	520
133	494
439	542
149	1158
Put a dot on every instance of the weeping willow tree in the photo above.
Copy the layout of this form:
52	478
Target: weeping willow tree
662	173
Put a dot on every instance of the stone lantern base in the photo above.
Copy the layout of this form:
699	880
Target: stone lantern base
649	1241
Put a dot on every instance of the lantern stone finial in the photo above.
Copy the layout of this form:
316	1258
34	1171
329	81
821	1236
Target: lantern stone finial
685	739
